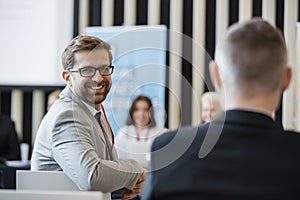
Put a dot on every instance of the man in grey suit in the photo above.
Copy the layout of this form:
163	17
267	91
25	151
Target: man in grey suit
75	136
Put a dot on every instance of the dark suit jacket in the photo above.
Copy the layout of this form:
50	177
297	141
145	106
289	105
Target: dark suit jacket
253	158
9	143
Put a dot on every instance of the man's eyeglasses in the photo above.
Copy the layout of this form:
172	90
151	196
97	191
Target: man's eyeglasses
91	71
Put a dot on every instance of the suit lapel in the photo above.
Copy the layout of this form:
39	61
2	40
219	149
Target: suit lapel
68	95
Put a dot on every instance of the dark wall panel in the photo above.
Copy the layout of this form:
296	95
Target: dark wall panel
165	20
257	8
165	12
95	13
27	118
119	12
233	11
210	35
76	18
279	14
141	12
186	62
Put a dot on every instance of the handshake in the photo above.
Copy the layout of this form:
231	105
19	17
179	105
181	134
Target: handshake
137	189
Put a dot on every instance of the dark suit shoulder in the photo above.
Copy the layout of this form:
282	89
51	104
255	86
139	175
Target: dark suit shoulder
291	138
293	133
182	134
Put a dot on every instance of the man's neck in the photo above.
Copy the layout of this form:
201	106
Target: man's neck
97	107
265	105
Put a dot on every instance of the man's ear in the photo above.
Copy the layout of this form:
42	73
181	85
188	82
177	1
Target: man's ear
215	74
66	76
287	78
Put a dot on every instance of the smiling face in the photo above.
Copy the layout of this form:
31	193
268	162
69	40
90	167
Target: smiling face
141	114
92	90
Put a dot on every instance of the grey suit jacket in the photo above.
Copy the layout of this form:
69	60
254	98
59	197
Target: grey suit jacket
70	139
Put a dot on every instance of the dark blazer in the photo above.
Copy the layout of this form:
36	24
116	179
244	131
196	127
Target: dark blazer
9	143
252	158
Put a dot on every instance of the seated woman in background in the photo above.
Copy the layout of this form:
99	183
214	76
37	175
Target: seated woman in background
134	141
9	142
211	106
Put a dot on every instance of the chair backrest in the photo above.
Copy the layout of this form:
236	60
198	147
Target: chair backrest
43	180
49	195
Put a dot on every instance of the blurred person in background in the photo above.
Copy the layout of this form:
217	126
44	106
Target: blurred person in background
52	97
211	106
9	142
135	139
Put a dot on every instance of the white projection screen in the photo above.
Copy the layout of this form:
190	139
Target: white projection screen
32	36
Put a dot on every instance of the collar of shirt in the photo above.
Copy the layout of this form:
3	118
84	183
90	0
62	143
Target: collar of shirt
91	109
258	110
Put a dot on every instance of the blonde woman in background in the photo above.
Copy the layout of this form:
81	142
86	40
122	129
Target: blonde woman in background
211	106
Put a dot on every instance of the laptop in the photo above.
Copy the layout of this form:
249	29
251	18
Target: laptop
43	180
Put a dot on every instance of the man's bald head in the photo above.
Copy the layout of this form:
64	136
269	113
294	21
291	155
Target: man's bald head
252	58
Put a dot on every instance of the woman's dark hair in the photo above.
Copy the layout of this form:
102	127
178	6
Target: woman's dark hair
130	121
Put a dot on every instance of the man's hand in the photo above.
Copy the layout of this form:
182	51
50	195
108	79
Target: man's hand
142	177
130	194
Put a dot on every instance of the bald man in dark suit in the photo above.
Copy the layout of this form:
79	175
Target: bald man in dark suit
243	153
